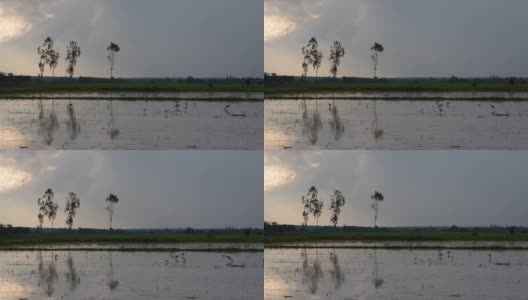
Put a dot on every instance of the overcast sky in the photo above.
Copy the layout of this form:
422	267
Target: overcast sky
157	189
162	38
420	37
421	188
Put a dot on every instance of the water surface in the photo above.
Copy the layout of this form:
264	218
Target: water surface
394	274
130	275
395	124
131	124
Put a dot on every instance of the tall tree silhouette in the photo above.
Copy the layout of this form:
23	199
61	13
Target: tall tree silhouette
72	204
47	207
336	53
337	200
111	201
111	50
376	49
47	56
73	51
312	205
312	56
377	197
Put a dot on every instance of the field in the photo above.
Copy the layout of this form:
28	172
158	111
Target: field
52	238
126	86
393	86
392	236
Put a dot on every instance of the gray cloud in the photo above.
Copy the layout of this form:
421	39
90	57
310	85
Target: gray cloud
158	189
158	39
421	38
420	187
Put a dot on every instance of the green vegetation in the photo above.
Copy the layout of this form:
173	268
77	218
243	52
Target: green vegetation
110	237
290	237
297	87
125	86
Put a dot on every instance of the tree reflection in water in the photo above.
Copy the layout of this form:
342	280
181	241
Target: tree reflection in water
47	124
111	282
74	128
311	124
72	277
47	275
113	132
376	131
337	126
336	273
312	272
377	280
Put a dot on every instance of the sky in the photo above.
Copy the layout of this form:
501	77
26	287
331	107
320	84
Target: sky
157	189
422	38
163	38
421	188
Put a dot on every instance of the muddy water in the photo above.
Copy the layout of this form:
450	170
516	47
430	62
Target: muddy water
137	275
137	124
395	124
394	274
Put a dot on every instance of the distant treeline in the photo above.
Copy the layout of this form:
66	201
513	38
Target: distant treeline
8	229
273	227
275	79
12	78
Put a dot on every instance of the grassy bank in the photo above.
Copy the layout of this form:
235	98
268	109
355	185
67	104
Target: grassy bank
49	239
124	86
293	237
390	86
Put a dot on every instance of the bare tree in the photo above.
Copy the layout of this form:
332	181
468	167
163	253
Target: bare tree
112	49
337	200
111	200
376	198
336	53
73	51
377	48
47	207
312	56
72	204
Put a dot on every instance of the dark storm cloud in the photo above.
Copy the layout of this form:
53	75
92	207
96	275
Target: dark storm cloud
157	189
420	187
162	38
421	38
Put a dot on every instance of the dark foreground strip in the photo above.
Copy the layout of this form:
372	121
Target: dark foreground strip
218	99
406	98
106	249
400	247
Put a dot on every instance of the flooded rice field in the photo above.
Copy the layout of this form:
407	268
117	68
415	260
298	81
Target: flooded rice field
395	274
131	275
131	124
142	246
395	124
394	244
